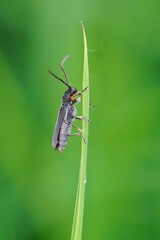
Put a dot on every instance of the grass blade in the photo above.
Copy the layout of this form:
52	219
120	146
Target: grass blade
79	205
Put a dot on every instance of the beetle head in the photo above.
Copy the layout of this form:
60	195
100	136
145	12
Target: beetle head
69	95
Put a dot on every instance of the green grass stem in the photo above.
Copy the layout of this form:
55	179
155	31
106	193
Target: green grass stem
79	205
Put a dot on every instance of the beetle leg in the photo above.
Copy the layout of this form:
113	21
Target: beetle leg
82	118
79	129
78	134
78	100
80	92
91	105
66	121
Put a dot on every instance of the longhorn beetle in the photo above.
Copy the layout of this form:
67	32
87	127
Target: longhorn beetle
67	113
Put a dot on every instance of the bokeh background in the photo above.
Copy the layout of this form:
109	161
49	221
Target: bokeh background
37	184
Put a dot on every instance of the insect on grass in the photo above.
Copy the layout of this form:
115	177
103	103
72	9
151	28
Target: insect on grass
67	113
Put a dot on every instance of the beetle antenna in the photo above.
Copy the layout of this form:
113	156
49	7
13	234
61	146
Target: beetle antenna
59	79
63	69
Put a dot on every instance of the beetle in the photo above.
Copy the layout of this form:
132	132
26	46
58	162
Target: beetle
67	113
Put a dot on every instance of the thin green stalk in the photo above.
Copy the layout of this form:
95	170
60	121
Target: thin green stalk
79	205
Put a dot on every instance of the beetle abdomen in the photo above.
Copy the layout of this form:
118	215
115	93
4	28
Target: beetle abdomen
63	127
64	134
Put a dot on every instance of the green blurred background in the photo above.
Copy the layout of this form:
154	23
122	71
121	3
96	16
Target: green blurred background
37	184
